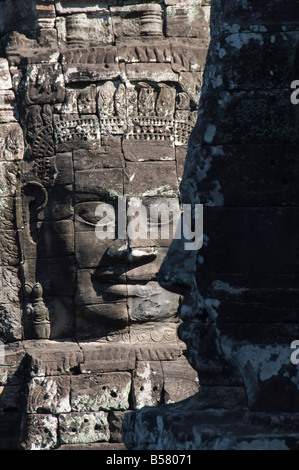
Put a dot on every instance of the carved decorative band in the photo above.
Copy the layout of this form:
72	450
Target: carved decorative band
79	128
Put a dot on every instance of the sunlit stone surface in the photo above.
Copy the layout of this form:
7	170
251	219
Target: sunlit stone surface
97	103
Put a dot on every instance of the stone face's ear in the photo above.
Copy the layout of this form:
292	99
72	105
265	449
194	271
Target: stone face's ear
35	195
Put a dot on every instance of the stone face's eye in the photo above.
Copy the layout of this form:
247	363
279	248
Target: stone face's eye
85	213
88	218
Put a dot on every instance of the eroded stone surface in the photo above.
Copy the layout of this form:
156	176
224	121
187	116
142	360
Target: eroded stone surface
109	391
148	383
98	100
40	432
115	422
83	427
238	318
180	380
49	395
94	121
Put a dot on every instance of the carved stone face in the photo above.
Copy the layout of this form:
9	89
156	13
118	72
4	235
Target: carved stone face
107	158
104	153
116	278
107	118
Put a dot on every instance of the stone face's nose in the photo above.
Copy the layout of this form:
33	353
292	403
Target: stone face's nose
122	250
142	254
118	250
176	273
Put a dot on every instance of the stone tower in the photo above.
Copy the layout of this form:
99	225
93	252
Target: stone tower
240	308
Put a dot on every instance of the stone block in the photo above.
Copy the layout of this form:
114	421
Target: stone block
90	251
62	316
92	292
8	109
72	131
180	157
107	446
108	391
151	302
77	428
5	78
262	175
189	56
64	167
12	364
257	298
186	20
106	183
278	333
140	151
9	286
11	398
49	395
44	83
52	358
267	14
10	323
89	28
153	332
195	3
137	20
56	239
9	248
161	179
270	378
263	249
218	397
57	275
60	203
46	15
8	213
9	182
66	7
147	385
11	142
90	64
106	357
234	122
148	272
107	155
158	352
96	318
88	212
115	419
191	82
153	72
152	225
40	432
266	74
180	380
159	52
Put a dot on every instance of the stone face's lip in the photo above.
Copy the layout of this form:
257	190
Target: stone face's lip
121	289
124	277
118	290
134	255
